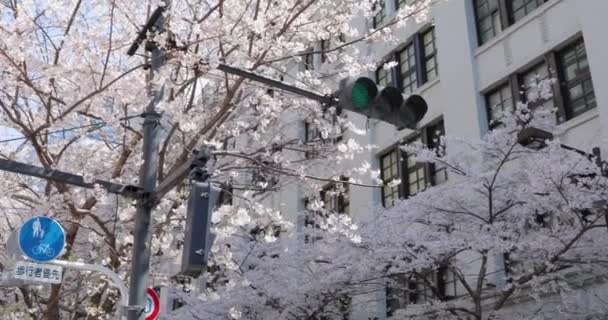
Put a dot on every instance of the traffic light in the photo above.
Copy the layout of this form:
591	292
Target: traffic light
363	96
198	238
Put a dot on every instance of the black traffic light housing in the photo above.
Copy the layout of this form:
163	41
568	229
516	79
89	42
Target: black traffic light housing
362	95
198	237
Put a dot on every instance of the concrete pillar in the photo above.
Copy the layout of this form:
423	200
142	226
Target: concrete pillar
464	112
594	25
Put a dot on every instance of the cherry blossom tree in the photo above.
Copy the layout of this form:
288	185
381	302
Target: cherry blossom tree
512	225
72	99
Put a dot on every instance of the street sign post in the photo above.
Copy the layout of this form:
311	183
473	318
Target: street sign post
41	239
25	270
152	307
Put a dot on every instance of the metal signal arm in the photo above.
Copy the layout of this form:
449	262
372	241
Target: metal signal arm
69	178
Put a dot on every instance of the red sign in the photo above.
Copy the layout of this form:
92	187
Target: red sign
152	308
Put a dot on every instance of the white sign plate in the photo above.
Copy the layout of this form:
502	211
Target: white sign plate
31	271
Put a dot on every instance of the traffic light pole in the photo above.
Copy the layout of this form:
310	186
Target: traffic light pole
140	262
326	99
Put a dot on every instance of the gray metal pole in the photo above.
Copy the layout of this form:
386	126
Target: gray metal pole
140	264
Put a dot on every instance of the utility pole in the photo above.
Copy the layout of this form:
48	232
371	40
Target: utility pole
140	263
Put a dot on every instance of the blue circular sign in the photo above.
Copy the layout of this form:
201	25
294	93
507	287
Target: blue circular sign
41	238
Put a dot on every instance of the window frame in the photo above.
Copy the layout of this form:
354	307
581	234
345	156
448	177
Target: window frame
416	57
508	84
580	79
402	165
400	3
325	45
308	59
311	133
511	10
560	102
505	14
380	17
501	18
414	69
425	57
416	288
343	203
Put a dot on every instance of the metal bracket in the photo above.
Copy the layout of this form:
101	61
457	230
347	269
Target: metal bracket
198	172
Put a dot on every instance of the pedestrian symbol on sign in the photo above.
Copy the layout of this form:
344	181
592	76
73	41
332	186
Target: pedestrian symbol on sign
37	230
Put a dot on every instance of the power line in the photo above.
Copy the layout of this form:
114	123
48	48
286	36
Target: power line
101	124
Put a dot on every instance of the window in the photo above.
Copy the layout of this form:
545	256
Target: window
492	16
389	169
518	9
429	55
314	139
417	63
310	222
500	100
575	80
572	90
399	293
488	19
335	197
448	284
325	45
398	165
335	200
309	59
415	174
530	81
407	69
383	76
402	3
311	136
439	173
406	289
380	9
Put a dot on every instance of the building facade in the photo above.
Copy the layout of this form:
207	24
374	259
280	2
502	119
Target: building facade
470	61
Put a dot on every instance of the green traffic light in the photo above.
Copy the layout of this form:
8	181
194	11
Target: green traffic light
361	96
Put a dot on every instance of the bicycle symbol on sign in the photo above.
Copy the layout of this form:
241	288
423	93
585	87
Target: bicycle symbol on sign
43	249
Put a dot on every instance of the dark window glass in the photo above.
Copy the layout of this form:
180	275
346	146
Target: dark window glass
380	7
400	292
309	63
383	76
407	68
488	19
529	81
325	45
499	101
575	80
389	170
439	172
335	200
311	221
415	174
403	289
402	3
430	55
399	165
311	139
520	8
